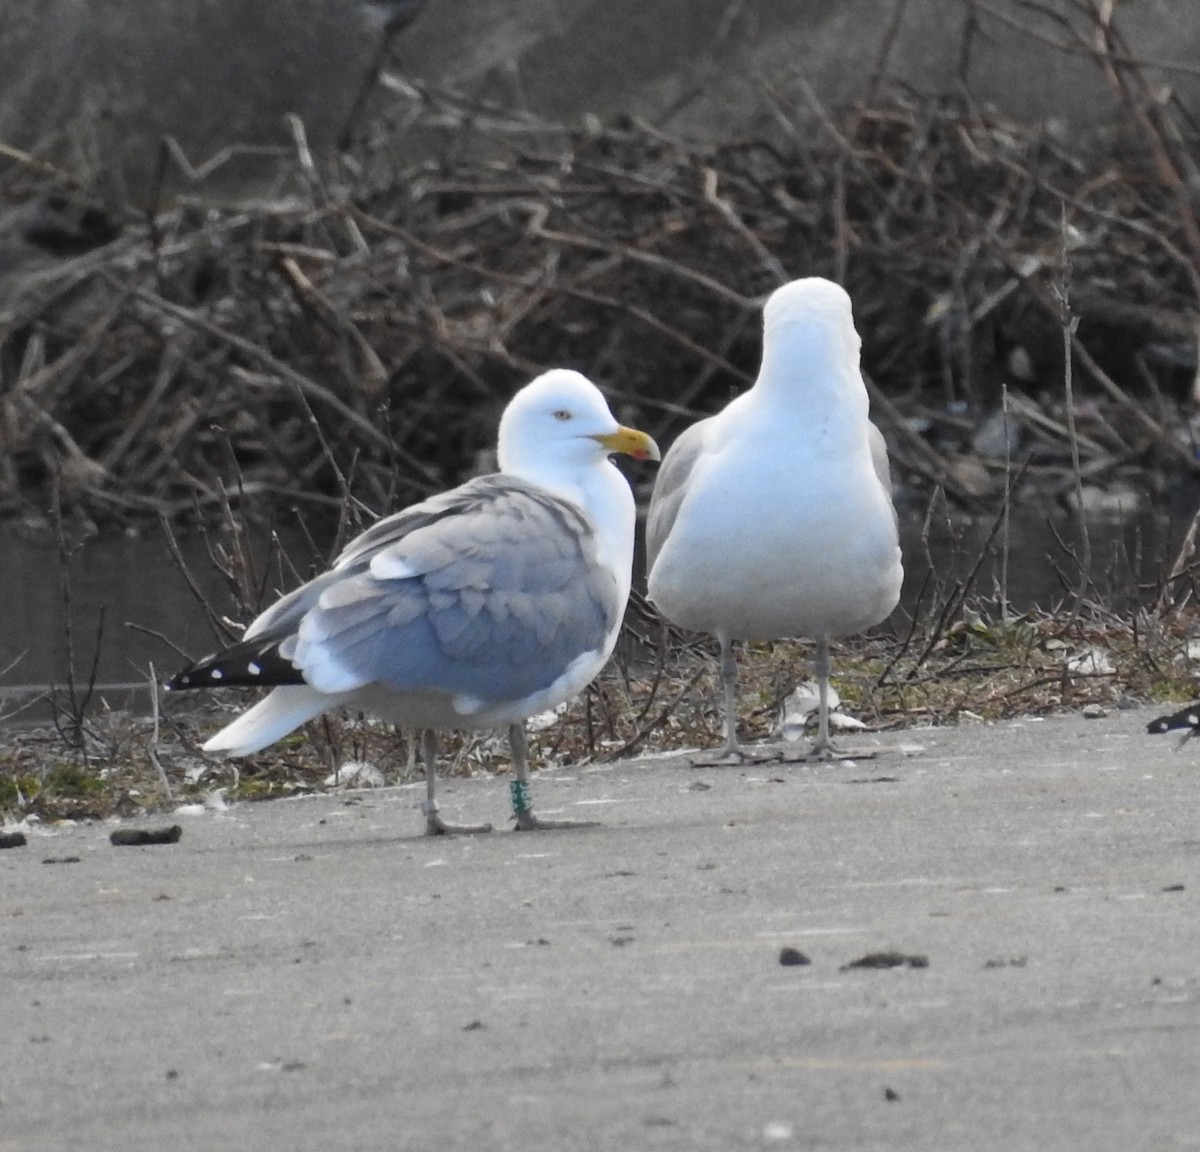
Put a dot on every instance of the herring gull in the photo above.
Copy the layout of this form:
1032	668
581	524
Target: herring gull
474	609
774	517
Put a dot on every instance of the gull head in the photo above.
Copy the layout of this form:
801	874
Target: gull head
562	417
818	308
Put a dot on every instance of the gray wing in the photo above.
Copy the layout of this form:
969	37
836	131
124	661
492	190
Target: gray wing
489	592
467	499
670	488
883	467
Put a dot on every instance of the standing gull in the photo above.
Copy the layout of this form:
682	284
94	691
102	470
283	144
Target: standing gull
473	609
774	517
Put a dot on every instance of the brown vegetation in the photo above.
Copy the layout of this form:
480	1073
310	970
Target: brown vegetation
362	333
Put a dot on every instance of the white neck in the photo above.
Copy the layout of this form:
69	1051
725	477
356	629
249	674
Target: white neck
809	364
603	495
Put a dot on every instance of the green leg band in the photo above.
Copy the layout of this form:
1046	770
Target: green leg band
520	795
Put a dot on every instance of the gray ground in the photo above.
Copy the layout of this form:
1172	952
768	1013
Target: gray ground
312	974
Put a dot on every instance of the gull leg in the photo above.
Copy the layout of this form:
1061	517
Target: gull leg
823	748
434	824
732	752
522	809
729	692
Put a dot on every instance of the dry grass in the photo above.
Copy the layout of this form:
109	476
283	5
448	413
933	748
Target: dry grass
650	699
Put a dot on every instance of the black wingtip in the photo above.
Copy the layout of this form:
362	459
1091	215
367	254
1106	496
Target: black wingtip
1185	719
202	674
249	664
190	677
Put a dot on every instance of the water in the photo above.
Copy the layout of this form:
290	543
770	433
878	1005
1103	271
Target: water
131	607
134	581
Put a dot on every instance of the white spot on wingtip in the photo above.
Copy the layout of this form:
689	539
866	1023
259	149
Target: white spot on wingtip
216	674
254	668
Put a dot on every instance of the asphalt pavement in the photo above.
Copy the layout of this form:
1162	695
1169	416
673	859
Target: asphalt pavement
315	974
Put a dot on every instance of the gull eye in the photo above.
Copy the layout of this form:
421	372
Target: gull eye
562	414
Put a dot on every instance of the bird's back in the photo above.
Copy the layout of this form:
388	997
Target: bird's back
762	548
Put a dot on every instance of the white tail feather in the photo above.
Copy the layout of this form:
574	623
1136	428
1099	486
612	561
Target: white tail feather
270	720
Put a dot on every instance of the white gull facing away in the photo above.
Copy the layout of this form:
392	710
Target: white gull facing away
474	609
774	518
